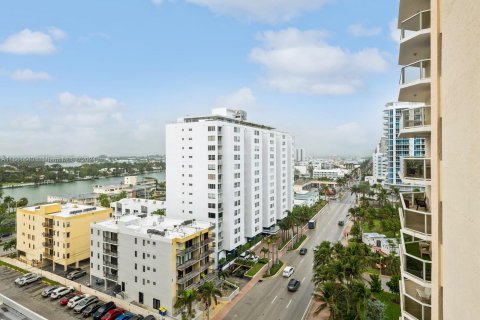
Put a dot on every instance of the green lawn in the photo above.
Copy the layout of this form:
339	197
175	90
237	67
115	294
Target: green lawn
377	227
274	269
8	265
392	312
253	270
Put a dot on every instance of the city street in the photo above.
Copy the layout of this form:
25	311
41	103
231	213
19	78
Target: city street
270	299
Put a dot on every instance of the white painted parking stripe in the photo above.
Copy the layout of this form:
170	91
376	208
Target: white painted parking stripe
303	279
302	260
289	303
274	299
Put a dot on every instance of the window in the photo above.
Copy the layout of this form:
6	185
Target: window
211	215
236	166
211	205
211	176
211	148
211	157
211	186
211	167
211	128
236	138
211	138
236	157
236	148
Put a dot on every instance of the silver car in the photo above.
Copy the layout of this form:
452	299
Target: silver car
22	277
85	302
29	279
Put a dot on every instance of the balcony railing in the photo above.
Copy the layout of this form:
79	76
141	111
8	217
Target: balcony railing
110	276
110	240
187	264
416	260
188	276
416	71
110	264
416	309
416	169
48	224
422	294
418	22
192	248
416	118
206	253
414	217
110	253
47	234
47	244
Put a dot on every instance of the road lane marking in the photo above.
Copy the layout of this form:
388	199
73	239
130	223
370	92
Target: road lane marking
289	303
301	260
303	279
274	299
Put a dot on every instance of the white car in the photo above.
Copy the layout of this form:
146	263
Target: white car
30	279
75	300
22	277
60	292
288	271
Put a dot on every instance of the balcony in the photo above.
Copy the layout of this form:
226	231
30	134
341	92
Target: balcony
47	234
188	276
415	82
206	253
48	224
110	240
415	170
416	260
187	264
415	38
416	220
422	294
414	308
110	276
181	252
110	253
415	122
47	245
48	255
110	264
208	240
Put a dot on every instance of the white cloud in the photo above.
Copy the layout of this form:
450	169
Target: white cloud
29	75
303	62
359	30
394	31
270	11
243	98
32	42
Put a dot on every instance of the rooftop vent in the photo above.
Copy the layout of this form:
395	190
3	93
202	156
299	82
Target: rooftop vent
155	231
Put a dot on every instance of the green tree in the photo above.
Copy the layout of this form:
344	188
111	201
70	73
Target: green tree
159	212
104	201
10	244
23	202
375	283
394	284
185	302
208	293
265	252
375	310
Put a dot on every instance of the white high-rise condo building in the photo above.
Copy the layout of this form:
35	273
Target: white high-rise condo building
299	154
380	161
232	172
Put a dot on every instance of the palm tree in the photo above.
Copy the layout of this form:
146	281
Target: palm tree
355	190
284	227
208	292
325	189
394	191
275	239
8	201
23	202
265	251
268	242
222	274
290	220
185	300
327	295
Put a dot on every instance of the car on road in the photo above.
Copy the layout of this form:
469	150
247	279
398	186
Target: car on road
341	223
97	315
17	280
112	314
76	274
125	316
48	290
293	285
88	311
137	317
64	301
85	302
288	271
60	292
303	251
75	300
30	279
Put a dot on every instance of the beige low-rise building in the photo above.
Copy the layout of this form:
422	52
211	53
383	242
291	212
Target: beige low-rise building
56	234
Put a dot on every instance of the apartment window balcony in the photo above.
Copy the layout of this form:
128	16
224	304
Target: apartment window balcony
110	240
204	265
48	224
110	276
208	240
416	219
187	277
185	265
415	122
110	253
421	294
47	234
194	247
48	255
110	264
416	258
415	170
206	253
411	26
415	82
416	310
415	38
47	245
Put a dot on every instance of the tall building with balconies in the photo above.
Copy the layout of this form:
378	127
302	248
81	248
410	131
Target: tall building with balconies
232	172
151	258
56	234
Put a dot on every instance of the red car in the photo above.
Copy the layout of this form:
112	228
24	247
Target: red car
64	300
112	314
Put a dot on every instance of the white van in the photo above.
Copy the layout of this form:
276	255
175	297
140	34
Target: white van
288	271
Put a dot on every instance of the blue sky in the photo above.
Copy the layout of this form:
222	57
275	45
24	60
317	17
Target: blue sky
95	77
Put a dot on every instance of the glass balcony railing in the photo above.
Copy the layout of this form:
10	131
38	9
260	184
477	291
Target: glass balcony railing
414	72
418	22
420	293
416	169
416	259
416	215
416	118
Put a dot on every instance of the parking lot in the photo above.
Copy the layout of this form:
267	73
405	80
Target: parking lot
30	297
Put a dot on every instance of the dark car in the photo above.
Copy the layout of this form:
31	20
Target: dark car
76	274
48	290
341	223
303	251
97	315
149	317
293	285
137	317
88	311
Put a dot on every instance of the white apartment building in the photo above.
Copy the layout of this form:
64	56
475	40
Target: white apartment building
329	173
152	258
299	154
380	161
234	173
136	206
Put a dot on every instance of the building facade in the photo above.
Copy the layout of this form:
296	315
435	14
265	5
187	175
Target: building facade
299	154
380	162
152	258
56	234
234	173
136	206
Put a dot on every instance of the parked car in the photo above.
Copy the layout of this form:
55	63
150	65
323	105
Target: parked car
125	316
88	311
149	317
60	292
137	317
30	279
97	315
64	301
303	251
75	300
70	270
22	277
341	223
48	290
85	302
293	285
76	274
288	271
112	314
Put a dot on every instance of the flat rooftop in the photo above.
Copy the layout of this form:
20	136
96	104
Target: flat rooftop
130	201
157	226
64	210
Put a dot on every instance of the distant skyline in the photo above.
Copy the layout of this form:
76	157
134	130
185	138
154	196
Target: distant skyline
92	78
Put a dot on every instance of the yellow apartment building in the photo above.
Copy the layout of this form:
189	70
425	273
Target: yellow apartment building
56	234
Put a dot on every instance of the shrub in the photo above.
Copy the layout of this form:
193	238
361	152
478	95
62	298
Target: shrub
375	283
375	310
393	284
